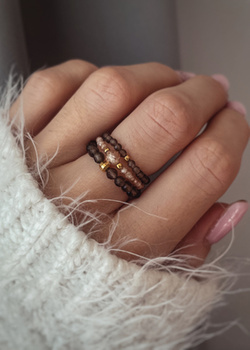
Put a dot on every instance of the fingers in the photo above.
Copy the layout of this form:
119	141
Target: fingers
194	245
168	120
218	221
186	190
48	90
186	110
165	121
103	100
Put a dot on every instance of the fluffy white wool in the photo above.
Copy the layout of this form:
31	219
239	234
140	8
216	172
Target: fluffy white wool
60	289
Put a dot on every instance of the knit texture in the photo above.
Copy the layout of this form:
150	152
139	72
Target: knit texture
60	289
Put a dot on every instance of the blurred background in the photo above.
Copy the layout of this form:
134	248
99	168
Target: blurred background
201	36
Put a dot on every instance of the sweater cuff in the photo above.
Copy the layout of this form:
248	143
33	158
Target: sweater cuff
62	290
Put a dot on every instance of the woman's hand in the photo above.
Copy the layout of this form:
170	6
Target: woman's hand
154	114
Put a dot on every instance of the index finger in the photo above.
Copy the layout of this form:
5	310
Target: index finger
47	90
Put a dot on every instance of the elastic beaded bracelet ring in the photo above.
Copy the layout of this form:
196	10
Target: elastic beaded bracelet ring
94	152
111	173
131	163
118	162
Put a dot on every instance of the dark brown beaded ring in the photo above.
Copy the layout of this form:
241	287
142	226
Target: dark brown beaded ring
111	173
94	152
131	163
127	187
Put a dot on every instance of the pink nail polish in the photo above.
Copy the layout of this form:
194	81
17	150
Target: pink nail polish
237	106
222	80
227	221
185	75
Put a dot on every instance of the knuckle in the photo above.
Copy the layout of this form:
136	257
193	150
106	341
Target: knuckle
51	79
76	62
157	65
213	84
43	80
168	71
169	116
214	167
110	85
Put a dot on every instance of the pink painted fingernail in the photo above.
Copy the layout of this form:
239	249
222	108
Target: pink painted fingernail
227	221
185	75
222	80
237	106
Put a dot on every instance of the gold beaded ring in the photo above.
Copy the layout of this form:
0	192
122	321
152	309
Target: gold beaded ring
131	163
111	162
115	159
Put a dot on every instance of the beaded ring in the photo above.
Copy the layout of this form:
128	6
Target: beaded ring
131	163
114	158
112	162
112	173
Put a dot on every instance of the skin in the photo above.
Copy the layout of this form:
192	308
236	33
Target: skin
154	115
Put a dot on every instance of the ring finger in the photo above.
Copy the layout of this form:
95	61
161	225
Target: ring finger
183	193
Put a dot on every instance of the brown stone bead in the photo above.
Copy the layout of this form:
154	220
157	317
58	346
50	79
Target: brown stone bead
131	164
140	175
106	137
145	179
135	193
99	157
92	149
118	147
113	142
127	187
111	173
136	170
123	153
120	181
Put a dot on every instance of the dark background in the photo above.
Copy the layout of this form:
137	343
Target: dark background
109	32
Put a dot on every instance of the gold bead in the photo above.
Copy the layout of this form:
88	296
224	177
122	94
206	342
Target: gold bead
127	158
106	150
104	166
119	166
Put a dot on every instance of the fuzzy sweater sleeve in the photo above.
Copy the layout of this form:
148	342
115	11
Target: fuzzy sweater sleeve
60	289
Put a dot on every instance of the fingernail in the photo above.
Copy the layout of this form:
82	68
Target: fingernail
227	221
222	80
237	106
185	75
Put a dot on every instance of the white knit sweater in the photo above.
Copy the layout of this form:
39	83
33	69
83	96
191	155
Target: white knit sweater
60	289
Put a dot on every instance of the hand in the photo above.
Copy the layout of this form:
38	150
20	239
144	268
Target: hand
154	114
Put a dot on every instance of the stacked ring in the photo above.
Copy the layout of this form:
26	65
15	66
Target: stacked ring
119	163
131	163
112	164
